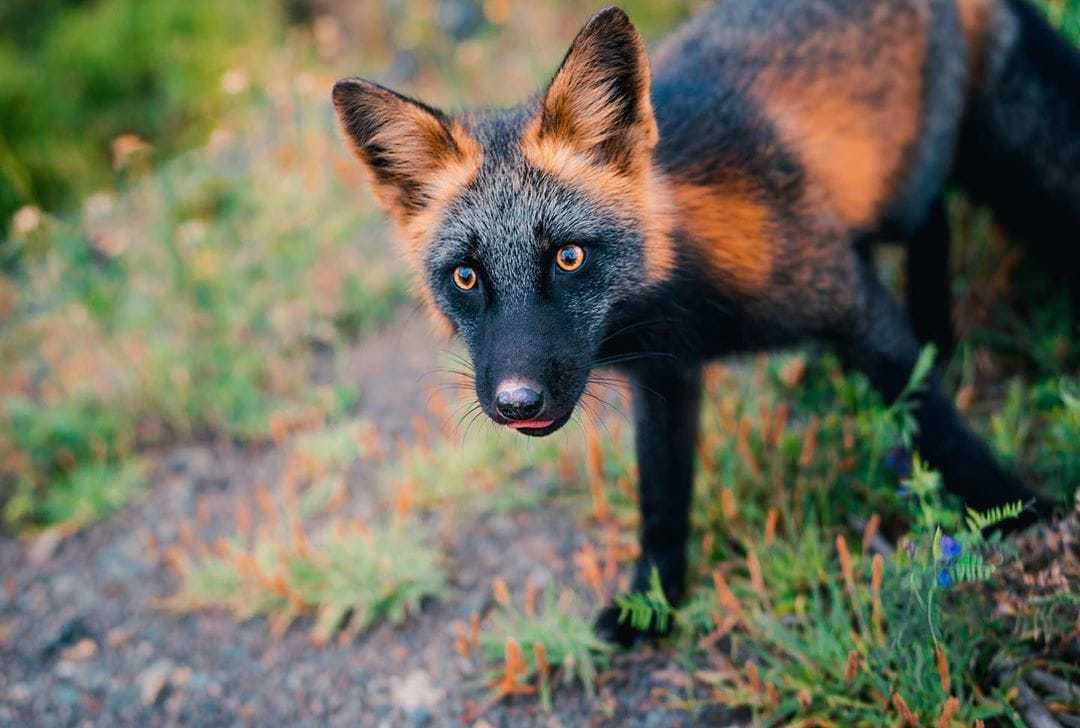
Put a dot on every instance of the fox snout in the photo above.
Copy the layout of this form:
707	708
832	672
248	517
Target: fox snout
534	395
532	405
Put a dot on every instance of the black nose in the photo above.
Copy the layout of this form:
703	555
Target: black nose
519	403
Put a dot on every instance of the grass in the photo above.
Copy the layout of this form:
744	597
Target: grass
81	83
547	640
345	576
864	636
485	474
307	557
84	495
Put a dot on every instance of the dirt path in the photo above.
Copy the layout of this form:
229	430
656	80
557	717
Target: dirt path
82	641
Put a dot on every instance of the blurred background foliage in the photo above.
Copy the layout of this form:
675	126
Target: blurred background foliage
76	74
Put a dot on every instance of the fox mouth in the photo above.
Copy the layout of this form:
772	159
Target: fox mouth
538	428
531	424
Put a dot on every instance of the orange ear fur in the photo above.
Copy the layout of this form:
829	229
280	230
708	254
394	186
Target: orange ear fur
599	102
415	155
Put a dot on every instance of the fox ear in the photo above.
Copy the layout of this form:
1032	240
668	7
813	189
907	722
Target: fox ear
598	102
409	149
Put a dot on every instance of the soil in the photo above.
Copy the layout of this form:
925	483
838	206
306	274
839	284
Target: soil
85	641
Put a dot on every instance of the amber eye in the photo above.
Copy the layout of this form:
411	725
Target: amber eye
569	258
465	277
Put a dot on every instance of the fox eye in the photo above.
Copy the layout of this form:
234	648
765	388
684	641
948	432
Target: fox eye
569	258
465	277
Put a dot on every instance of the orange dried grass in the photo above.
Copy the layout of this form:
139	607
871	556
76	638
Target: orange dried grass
902	708
871	530
852	666
589	571
771	521
514	670
942	659
594	458
809	448
724	595
948	712
500	591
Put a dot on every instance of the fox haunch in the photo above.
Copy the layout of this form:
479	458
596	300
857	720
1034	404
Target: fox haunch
723	197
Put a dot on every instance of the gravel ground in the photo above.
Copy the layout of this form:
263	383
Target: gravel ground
84	642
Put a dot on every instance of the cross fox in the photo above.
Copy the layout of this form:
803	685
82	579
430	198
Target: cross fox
723	197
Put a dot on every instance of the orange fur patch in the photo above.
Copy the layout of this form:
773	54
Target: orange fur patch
851	129
729	227
415	232
441	184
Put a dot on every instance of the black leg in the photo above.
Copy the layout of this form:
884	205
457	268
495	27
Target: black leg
666	412
882	345
929	295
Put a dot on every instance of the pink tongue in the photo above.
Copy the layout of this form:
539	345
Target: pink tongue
531	424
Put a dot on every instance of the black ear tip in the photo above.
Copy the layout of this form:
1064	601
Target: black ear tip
610	24
344	89
612	13
347	89
611	17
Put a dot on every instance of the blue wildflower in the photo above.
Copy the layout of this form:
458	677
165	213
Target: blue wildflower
944	579
899	461
950	548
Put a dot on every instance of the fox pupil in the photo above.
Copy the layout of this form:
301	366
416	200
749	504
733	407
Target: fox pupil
570	257
464	277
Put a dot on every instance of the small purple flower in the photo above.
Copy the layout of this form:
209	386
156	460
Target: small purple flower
950	548
899	461
944	579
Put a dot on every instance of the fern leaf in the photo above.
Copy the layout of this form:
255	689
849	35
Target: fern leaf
643	608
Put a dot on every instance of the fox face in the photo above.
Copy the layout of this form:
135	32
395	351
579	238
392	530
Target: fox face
527	227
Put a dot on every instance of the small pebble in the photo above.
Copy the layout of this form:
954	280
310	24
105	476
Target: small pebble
82	650
154	680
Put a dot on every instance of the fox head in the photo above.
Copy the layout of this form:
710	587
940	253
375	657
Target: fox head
527	227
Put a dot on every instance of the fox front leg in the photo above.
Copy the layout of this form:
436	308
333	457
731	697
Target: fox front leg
666	401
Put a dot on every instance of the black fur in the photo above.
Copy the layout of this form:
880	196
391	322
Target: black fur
929	283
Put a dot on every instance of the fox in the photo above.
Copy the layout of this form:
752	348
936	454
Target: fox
723	195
